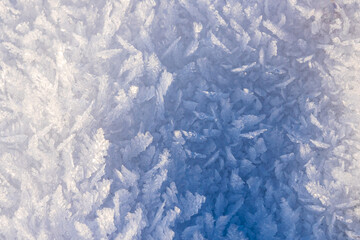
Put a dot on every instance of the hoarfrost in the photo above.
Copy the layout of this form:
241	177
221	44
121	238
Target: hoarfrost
179	119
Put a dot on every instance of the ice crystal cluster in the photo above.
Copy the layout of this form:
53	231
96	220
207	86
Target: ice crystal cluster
179	119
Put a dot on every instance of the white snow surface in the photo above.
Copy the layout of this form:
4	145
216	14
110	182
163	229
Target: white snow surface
179	119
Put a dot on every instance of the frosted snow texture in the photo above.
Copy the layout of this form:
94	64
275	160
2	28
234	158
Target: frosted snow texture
179	119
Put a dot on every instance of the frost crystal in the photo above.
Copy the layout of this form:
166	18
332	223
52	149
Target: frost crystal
155	119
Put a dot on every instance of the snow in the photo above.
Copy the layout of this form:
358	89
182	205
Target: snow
157	119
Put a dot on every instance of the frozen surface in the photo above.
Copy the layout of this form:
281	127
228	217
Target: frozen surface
179	119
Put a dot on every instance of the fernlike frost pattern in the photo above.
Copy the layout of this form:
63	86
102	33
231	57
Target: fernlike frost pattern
179	119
